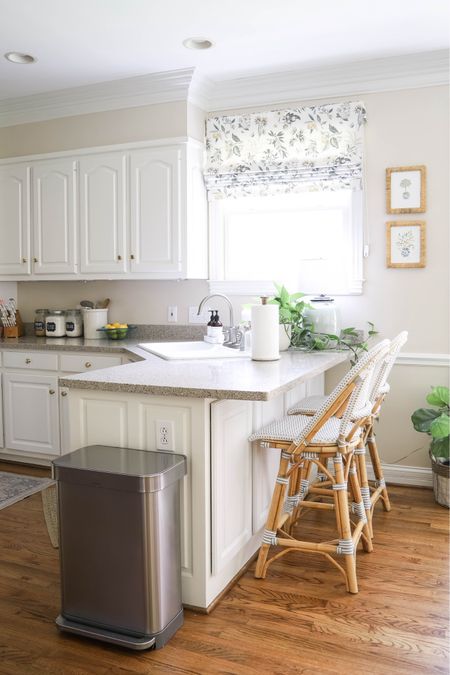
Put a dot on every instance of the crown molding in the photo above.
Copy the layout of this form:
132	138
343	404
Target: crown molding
349	78
172	85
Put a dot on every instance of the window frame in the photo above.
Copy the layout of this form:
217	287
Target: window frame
217	283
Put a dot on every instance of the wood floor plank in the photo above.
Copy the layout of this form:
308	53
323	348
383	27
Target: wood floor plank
299	620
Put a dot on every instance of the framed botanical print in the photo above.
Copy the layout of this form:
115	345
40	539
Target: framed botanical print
405	189
405	243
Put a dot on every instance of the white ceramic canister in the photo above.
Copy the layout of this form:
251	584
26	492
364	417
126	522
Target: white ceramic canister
322	314
55	323
94	319
74	323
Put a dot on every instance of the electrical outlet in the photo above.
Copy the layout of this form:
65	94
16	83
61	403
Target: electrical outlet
172	313
203	318
165	435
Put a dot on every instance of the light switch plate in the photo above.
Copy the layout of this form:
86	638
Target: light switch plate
172	313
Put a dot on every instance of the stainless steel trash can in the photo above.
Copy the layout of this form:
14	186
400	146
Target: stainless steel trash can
119	522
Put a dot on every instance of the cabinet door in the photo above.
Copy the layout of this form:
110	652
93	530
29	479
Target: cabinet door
15	219
155	212
265	462
102	213
231	480
54	217
31	413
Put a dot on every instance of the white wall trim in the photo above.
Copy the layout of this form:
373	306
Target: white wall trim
353	78
131	92
405	475
422	359
350	78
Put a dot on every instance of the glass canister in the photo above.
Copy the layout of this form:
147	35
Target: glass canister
39	322
322	314
74	323
55	323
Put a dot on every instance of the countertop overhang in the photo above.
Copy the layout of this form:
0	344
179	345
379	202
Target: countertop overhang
216	378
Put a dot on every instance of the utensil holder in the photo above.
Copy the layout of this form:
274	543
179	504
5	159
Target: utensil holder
11	331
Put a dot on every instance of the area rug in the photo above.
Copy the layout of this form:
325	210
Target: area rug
14	487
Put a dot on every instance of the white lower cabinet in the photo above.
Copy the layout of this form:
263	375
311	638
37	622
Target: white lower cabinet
2	443
31	413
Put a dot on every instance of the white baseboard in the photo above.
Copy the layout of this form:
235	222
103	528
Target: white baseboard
405	475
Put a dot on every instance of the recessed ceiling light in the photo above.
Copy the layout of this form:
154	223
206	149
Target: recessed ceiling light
18	57
197	43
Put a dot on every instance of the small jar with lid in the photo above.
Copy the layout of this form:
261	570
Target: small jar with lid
74	323
39	322
55	323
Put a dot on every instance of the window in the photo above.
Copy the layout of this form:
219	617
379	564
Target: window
285	193
309	241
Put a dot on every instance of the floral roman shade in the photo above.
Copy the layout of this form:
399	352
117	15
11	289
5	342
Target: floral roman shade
310	148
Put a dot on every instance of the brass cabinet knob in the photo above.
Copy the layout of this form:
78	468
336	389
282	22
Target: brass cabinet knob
131	257
27	360
24	260
119	257
35	260
64	393
51	391
88	364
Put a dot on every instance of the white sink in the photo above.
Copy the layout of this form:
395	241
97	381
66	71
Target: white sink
191	350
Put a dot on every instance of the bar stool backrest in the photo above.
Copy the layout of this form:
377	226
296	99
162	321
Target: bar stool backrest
358	401
382	372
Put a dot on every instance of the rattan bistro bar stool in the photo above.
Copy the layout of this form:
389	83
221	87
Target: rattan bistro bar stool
309	406
305	441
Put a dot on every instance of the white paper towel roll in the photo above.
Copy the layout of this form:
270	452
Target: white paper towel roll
265	333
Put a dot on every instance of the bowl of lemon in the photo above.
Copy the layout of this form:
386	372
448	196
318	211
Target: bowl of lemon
116	331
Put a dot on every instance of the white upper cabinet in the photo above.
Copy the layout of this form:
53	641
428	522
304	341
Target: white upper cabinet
54	217
14	219
155	212
103	214
133	211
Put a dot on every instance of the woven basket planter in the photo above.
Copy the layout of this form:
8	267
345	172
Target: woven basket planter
441	482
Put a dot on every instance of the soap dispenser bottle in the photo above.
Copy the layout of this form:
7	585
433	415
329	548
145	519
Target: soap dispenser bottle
217	328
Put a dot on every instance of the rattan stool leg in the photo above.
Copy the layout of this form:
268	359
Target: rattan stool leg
360	457
275	511
359	509
378	471
343	524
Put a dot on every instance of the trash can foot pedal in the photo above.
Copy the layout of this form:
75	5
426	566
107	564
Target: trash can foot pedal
95	633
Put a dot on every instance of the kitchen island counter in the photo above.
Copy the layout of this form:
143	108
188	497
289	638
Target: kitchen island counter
239	378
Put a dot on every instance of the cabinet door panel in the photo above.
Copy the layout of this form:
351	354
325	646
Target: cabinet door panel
2	445
231	480
14	219
102	213
31	413
155	211
265	462
54	217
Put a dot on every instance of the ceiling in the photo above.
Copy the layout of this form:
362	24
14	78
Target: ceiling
81	42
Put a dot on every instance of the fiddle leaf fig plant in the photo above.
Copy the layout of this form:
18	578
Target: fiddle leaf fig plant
435	422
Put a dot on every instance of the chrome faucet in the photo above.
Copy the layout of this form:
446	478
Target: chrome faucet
232	334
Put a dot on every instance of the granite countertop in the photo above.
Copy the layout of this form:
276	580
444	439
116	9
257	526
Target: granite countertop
239	378
69	344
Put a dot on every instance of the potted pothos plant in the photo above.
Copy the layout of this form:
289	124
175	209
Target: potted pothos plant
435	422
299	330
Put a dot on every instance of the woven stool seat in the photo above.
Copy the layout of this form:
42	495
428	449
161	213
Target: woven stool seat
291	427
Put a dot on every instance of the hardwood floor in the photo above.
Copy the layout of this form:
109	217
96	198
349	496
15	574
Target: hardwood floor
298	620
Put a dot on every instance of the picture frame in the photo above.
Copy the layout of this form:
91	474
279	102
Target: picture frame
406	189
405	244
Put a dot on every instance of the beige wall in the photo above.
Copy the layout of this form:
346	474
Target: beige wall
404	128
143	123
